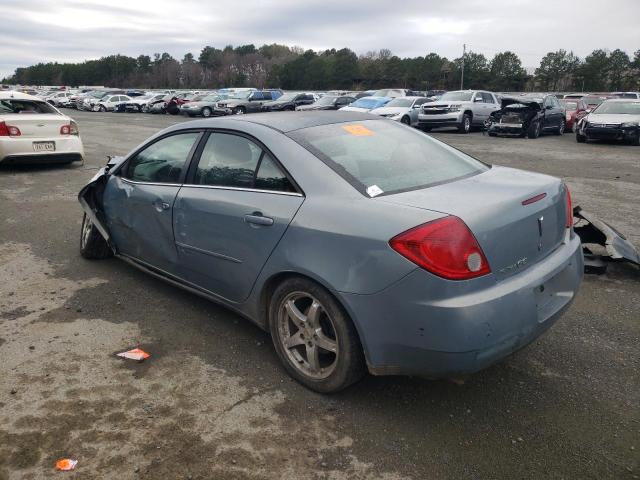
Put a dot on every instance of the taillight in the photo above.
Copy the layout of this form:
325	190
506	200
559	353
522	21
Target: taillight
71	129
567	199
9	130
445	247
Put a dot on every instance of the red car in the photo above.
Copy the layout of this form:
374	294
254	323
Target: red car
576	108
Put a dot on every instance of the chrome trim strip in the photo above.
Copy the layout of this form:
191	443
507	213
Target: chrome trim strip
207	252
134	182
241	189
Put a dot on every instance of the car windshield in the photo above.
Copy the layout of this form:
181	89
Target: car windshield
626	95
25	106
240	95
593	101
618	108
211	98
389	92
457	96
97	94
370	102
325	101
571	105
287	97
377	157
400	102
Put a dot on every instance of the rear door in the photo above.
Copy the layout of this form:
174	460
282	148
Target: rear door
231	213
138	200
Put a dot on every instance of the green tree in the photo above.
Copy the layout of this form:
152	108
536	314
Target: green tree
507	73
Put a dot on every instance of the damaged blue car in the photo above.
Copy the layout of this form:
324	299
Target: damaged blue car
361	244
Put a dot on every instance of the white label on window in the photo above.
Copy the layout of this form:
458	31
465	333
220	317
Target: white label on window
374	190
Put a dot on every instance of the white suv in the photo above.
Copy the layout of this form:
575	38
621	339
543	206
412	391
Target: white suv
461	109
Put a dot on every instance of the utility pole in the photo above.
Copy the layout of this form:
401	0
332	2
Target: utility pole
464	53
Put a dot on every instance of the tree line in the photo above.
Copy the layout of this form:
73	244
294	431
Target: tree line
293	68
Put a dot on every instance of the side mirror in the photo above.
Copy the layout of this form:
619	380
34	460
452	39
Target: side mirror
416	107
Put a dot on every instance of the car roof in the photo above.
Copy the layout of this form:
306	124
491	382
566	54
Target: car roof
18	96
289	121
622	100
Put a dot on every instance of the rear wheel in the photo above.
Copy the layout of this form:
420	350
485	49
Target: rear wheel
92	244
465	124
534	130
314	337
206	112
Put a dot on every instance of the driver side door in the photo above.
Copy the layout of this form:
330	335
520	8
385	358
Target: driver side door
138	199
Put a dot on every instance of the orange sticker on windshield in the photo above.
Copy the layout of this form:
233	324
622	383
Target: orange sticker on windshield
358	130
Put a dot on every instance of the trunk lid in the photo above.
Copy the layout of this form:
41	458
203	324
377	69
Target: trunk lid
45	125
513	236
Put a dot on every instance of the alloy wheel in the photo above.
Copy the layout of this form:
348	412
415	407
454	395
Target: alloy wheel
86	232
307	335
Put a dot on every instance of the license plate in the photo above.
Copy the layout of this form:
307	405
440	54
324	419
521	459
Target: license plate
44	146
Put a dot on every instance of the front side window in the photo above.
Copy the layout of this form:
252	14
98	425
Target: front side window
162	161
386	156
234	161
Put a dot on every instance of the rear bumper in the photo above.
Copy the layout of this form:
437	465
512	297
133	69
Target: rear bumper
431	327
20	150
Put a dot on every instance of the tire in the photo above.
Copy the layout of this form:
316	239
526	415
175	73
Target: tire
92	244
327	371
534	130
103	108
492	134
239	111
636	141
465	124
580	138
406	120
561	127
206	112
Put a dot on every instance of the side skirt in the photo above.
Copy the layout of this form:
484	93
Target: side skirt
183	284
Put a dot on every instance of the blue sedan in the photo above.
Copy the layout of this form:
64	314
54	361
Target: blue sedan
361	244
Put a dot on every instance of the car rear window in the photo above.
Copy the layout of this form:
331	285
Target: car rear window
25	106
383	157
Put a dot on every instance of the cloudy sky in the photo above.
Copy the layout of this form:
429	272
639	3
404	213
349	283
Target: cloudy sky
35	31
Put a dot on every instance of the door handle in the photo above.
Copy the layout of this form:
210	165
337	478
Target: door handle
256	218
161	206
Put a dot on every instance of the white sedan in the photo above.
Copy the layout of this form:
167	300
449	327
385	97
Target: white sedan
110	103
31	130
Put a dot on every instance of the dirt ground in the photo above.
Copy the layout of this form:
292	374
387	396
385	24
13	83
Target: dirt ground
212	402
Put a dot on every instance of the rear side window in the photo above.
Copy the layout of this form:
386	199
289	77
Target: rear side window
162	161
234	161
382	157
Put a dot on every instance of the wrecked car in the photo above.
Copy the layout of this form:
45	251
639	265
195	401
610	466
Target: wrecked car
527	115
358	243
593	231
612	120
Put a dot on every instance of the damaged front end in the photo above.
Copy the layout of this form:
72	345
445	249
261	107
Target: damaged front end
514	117
90	198
593	231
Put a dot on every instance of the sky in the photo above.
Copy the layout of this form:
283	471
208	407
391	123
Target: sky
36	31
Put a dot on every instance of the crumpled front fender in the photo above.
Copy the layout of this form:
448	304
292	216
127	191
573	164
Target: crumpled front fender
90	198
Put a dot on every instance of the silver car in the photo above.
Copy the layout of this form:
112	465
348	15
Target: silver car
462	109
402	109
611	120
361	244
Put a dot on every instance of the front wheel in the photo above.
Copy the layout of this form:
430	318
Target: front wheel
314	337
465	124
534	130
239	111
405	120
206	112
92	244
561	127
580	138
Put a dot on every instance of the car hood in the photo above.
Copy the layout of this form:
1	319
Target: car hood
389	110
354	109
612	118
276	103
506	101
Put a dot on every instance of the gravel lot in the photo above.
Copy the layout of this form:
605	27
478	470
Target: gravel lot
213	401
